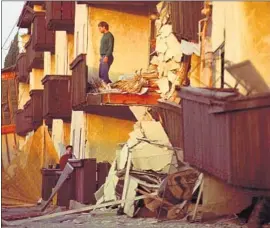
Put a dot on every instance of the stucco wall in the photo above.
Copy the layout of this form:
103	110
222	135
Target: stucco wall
49	63
36	75
103	136
131	29
63	52
247	33
60	135
23	96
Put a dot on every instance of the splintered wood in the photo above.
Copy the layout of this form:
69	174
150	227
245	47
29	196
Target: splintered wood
147	166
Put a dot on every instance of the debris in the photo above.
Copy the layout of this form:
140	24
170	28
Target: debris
147	156
75	205
129	207
126	180
75	211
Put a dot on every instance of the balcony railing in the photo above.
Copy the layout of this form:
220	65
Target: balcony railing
23	123
42	38
57	97
60	15
37	106
108	104
22	73
34	59
79	82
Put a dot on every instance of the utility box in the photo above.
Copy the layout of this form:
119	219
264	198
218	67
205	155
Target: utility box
85	172
228	135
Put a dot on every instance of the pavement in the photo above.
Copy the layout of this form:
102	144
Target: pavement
109	219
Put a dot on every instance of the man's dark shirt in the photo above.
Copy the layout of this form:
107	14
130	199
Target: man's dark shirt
107	44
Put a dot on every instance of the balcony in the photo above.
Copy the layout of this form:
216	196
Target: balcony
37	107
56	97
22	73
26	17
33	108
227	135
42	38
60	15
34	59
109	104
23	123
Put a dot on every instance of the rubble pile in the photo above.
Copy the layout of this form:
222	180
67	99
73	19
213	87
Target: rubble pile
148	166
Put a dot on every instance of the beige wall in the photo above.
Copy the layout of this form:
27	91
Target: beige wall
60	135
103	136
63	52
80	29
131	29
77	133
49	63
247	34
23	96
36	75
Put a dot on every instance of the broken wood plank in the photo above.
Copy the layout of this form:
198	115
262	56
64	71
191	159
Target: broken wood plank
198	200
75	211
130	99
65	174
126	178
155	197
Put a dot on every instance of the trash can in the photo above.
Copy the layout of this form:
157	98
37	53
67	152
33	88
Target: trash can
86	181
228	135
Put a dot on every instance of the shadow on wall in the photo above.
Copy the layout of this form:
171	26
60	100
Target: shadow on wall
246	75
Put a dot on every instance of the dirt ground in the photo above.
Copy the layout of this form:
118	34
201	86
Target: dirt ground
109	219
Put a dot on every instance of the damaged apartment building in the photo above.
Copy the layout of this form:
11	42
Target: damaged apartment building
188	107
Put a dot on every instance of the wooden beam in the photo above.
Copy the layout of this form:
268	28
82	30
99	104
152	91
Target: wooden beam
130	99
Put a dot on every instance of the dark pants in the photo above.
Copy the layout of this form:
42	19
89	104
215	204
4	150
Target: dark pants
104	69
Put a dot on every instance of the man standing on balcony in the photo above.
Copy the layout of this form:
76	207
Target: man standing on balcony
106	51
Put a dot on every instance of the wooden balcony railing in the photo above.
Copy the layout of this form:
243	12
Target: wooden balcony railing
60	15
79	82
22	73
42	38
37	107
57	97
23	123
109	104
34	59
